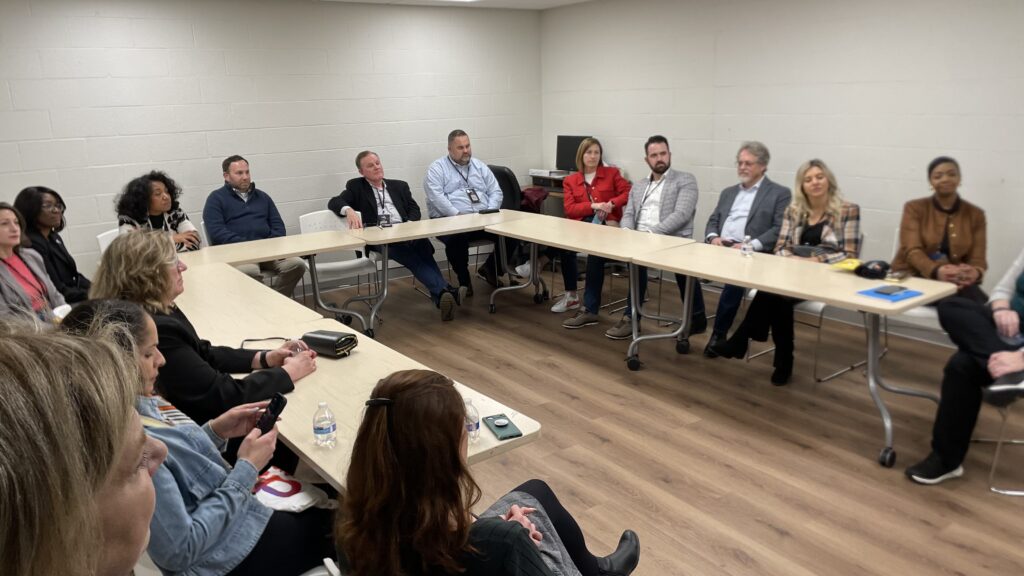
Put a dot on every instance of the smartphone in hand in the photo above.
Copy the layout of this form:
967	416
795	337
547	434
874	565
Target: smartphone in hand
270	415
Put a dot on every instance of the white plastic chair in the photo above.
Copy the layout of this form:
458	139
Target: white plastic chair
203	235
325	220
106	238
927	315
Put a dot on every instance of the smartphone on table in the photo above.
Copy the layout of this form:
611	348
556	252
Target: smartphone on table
502	427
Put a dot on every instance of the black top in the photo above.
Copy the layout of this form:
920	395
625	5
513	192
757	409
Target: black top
197	377
359	195
503	549
156	222
60	266
811	235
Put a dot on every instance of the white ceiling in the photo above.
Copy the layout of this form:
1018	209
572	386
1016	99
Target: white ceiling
517	4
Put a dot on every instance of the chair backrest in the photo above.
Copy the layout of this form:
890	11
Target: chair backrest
202	233
321	221
106	238
512	194
896	242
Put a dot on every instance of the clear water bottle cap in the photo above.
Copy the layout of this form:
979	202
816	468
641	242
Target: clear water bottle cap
322	404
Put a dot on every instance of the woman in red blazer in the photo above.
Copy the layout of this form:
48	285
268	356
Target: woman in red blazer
594	193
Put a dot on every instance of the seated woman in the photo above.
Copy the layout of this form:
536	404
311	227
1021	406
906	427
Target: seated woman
44	212
595	193
207	519
942	236
142	267
818	226
990	345
25	287
409	495
151	202
76	466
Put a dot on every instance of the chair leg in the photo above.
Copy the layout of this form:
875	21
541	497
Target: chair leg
1004	412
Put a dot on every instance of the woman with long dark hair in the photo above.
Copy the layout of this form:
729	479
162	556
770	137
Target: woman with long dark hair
44	211
407	508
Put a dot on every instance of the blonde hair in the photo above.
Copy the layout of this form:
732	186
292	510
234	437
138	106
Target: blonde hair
587	143
66	404
800	208
133	268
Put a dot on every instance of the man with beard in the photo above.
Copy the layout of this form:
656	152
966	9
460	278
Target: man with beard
662	203
456	184
755	207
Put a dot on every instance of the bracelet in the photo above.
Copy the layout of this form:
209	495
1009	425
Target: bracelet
263	358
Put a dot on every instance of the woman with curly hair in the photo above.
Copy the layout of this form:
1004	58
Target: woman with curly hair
151	202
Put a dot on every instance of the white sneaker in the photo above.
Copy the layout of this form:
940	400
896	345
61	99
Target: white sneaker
566	304
523	270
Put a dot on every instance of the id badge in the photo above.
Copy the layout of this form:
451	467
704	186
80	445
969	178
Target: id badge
473	196
384	220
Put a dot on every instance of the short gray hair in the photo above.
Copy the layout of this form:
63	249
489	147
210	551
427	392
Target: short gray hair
759	150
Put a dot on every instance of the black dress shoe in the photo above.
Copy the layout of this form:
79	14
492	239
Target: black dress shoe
623	561
735	347
698	324
714	341
783	370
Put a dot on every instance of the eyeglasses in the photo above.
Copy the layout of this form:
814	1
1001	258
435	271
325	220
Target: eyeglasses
746	164
53	207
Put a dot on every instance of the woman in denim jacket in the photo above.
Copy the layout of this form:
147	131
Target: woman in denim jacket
207	521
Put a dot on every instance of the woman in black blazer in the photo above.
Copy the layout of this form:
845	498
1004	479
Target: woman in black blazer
43	210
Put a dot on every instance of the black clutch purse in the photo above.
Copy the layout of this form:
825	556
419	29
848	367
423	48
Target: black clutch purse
330	343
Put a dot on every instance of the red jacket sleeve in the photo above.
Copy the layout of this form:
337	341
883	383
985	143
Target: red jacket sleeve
575	201
622	187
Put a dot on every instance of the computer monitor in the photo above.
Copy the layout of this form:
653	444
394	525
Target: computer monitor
565	153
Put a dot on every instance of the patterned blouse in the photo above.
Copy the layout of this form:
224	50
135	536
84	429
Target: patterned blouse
838	242
175	222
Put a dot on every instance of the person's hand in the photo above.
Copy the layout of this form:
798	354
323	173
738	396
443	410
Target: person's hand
277	356
519	514
967	275
355	220
737	245
239	420
258	448
300	365
948	273
1007	322
1002	363
190	239
716	241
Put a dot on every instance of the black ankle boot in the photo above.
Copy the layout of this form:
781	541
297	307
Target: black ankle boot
623	561
783	369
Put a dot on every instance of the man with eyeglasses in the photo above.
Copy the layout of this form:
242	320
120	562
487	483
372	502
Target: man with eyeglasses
753	208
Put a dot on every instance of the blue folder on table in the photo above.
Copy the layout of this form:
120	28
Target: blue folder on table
898	296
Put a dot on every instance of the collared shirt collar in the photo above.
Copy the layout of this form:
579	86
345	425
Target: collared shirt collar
753	188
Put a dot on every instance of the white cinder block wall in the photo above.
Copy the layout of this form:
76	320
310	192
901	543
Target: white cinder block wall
96	92
876	89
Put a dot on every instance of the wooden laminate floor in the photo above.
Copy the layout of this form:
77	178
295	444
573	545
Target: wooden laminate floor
717	470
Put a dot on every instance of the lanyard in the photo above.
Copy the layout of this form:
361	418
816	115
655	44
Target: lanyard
469	170
381	206
650	190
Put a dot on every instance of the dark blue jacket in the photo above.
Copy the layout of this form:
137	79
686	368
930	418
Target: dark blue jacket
228	219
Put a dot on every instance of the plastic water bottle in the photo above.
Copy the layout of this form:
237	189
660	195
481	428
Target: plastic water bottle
472	421
747	248
325	427
598	217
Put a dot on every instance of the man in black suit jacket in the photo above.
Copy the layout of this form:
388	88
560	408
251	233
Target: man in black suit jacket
371	199
755	208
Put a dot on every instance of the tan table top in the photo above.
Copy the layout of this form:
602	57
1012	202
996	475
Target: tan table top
790	277
607	241
220	300
427	228
274	248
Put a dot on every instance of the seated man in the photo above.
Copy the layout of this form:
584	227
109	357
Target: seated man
371	199
457	184
239	212
754	208
662	203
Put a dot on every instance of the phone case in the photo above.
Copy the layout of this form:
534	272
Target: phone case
502	432
269	416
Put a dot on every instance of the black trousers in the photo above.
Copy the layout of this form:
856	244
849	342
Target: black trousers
770	311
566	526
456	249
291	544
971	327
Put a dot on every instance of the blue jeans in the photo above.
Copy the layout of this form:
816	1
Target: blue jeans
595	283
418	257
728	305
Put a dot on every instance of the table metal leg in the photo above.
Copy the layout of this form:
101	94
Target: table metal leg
681	334
887	457
539	294
383	294
345	315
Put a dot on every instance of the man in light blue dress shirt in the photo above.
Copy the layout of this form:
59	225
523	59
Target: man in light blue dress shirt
459	184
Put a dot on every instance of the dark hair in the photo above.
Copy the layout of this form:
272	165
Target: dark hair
364	154
656	139
25	242
133	201
456	134
30	203
941	160
94	316
231	160
408	487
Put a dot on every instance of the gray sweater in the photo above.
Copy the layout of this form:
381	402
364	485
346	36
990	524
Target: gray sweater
1007	286
14	300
